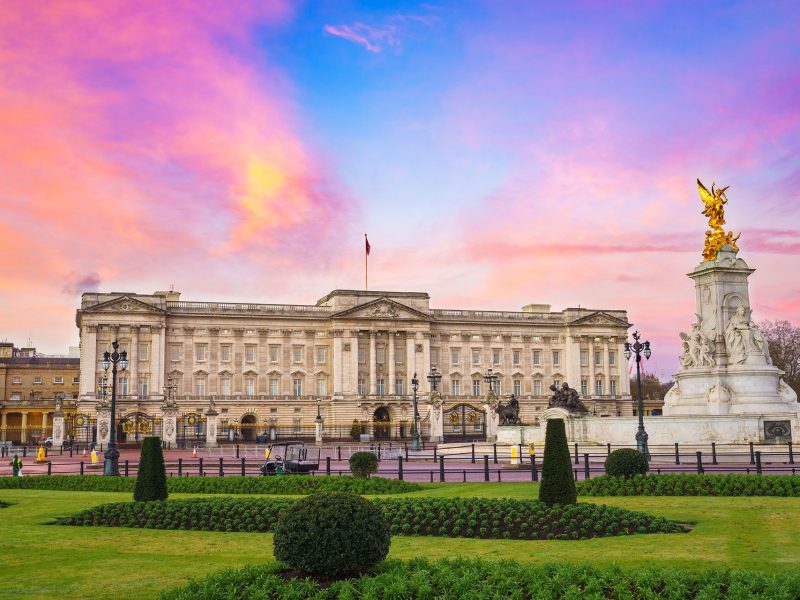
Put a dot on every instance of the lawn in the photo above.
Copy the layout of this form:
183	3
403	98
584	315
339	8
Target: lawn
45	561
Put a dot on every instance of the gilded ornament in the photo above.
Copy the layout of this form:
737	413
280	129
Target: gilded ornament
714	208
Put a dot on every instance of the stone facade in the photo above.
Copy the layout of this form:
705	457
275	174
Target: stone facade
268	368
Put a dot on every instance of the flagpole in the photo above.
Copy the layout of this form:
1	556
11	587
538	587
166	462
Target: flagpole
366	262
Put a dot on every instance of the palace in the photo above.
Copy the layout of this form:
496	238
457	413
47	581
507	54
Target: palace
271	369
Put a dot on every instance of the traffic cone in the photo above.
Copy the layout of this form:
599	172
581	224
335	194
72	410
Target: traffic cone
194	452
84	453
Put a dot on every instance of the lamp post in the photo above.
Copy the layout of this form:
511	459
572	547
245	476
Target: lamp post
638	348
169	390
491	378
112	359
318	425
434	377
415	435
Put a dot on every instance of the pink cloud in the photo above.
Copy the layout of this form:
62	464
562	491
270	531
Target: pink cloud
376	38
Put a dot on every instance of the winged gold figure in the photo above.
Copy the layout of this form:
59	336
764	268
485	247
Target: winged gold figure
714	208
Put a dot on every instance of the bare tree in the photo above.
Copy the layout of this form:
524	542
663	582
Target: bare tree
784	348
652	387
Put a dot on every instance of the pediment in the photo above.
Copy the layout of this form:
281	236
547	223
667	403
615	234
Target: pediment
124	304
383	309
600	318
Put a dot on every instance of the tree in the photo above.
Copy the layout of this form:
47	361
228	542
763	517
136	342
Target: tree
783	339
558	484
652	387
151	482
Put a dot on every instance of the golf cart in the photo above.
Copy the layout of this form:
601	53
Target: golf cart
290	458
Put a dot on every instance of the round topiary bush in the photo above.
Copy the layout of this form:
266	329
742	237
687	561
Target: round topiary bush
332	535
626	462
363	464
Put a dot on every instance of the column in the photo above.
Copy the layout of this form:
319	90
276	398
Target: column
591	366
133	361
391	335
572	361
622	370
157	358
3	425
410	360
353	389
23	435
89	362
44	421
606	368
338	372
426	362
373	365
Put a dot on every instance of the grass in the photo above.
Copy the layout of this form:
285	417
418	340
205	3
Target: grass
46	561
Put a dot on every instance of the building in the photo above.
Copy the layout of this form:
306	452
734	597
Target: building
30	384
270	369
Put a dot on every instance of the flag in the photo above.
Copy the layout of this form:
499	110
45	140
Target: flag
366	241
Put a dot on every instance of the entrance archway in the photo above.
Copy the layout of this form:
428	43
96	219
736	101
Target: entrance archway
248	428
382	423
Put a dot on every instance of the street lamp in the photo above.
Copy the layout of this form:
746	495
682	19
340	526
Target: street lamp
638	349
111	359
491	379
415	435
169	391
434	377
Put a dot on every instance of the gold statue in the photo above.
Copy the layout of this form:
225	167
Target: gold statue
716	237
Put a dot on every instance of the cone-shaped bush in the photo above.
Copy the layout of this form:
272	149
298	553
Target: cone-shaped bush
558	485
151	483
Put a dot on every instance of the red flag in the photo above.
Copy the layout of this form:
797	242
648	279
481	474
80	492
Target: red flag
366	241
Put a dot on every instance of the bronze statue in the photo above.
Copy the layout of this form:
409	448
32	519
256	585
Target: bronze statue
714	208
508	413
566	398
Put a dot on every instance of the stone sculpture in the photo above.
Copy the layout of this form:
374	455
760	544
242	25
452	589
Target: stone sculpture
698	348
566	398
743	338
508	413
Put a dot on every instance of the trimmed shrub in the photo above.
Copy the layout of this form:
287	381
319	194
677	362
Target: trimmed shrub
787	486
355	430
363	464
151	483
625	462
558	485
332	535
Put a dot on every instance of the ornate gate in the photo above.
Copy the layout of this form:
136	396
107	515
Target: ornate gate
134	427
464	422
191	429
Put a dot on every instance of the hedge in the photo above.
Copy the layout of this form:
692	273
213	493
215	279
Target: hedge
489	518
692	485
283	484
482	579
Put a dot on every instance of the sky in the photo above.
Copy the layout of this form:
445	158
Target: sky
497	153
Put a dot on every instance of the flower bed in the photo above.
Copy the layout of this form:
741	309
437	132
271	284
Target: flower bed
288	484
457	517
478	579
692	485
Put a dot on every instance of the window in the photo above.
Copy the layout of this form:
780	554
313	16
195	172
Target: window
612	358
143	387
37	379
250	353
517	387
58	380
598	387
298	428
516	357
225	386
557	383
175	352
584	358
537	358
18	380
476	357
380	387
498	387
200	387
456	383
496	354
123	386
273	354
556	358
322	387
434	356
584	387
476	387
274	386
455	355
598	358
144	351
398	386
76	380
362	355
612	387
537	387
225	353
362	387
399	355
250	387
322	355
298	387
200	352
